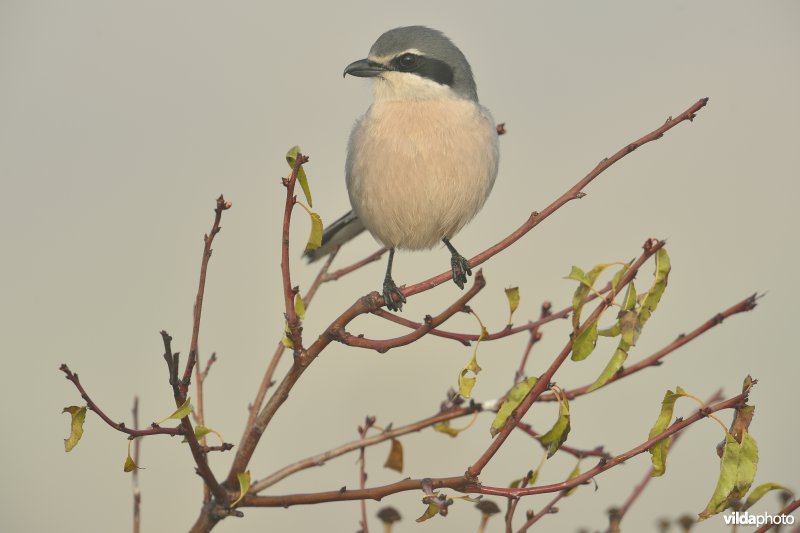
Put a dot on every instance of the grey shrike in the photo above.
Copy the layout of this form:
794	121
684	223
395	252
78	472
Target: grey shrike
423	158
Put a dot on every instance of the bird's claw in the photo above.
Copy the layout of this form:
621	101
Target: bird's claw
460	269
392	296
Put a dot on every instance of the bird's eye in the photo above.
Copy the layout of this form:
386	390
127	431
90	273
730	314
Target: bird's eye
407	61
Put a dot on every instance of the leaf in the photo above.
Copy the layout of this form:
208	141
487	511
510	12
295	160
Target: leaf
200	432
78	415
618	276
585	342
444	427
181	412
513	301
758	492
558	433
299	306
658	451
244	486
129	465
586	284
610	370
466	384
286	340
315	238
653	296
291	158
395	459
736	473
514	398
429	513
575	473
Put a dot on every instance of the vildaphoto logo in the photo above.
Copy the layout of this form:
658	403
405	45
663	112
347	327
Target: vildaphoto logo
749	519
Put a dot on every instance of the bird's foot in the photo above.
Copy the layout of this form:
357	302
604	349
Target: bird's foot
392	296
460	269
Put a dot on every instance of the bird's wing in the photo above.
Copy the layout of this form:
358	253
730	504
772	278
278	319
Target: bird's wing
336	234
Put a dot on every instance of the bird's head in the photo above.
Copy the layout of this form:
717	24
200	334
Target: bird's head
416	63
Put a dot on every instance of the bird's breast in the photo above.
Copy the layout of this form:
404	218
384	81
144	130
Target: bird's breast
418	171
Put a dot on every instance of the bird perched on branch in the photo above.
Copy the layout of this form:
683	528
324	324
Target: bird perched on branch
423	158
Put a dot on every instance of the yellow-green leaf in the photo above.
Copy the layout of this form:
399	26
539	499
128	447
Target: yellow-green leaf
315	238
78	415
291	158
572	475
653	296
244	486
395	459
582	292
585	342
610	370
465	384
200	432
658	451
513	301
299	307
736	473
429	513
618	276
129	465
557	435
514	398
758	492
444	427
181	412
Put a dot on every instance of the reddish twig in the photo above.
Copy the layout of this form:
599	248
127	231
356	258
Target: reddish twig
119	426
469	484
137	494
362	473
789	509
209	364
333	276
597	452
573	193
639	488
535	336
384	345
547	509
650	248
322	458
289	292
748	304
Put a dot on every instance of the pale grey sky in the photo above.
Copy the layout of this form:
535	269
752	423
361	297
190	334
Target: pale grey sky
121	122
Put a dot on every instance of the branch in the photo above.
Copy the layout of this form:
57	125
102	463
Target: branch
333	276
547	509
119	426
289	293
467	484
789	509
650	247
597	452
382	346
574	193
748	304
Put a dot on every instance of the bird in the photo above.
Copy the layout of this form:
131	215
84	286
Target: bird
423	159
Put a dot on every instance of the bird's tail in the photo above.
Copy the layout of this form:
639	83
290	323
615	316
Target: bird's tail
336	234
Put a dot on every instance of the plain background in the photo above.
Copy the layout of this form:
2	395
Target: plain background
120	123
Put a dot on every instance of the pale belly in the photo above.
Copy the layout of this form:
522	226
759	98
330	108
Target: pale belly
419	171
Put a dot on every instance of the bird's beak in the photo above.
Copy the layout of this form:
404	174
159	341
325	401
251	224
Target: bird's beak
364	68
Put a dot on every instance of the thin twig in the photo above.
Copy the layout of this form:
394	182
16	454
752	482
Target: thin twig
137	493
547	509
535	336
289	292
333	276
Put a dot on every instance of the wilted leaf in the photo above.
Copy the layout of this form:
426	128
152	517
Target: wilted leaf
465	384
653	296
514	398
758	492
741	421
291	158
181	412
736	473
618	276
78	415
315	238
299	307
395	459
513	301
444	427
200	432
244	486
575	473
610	370
585	342
129	465
586	284
557	435
429	513
658	451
